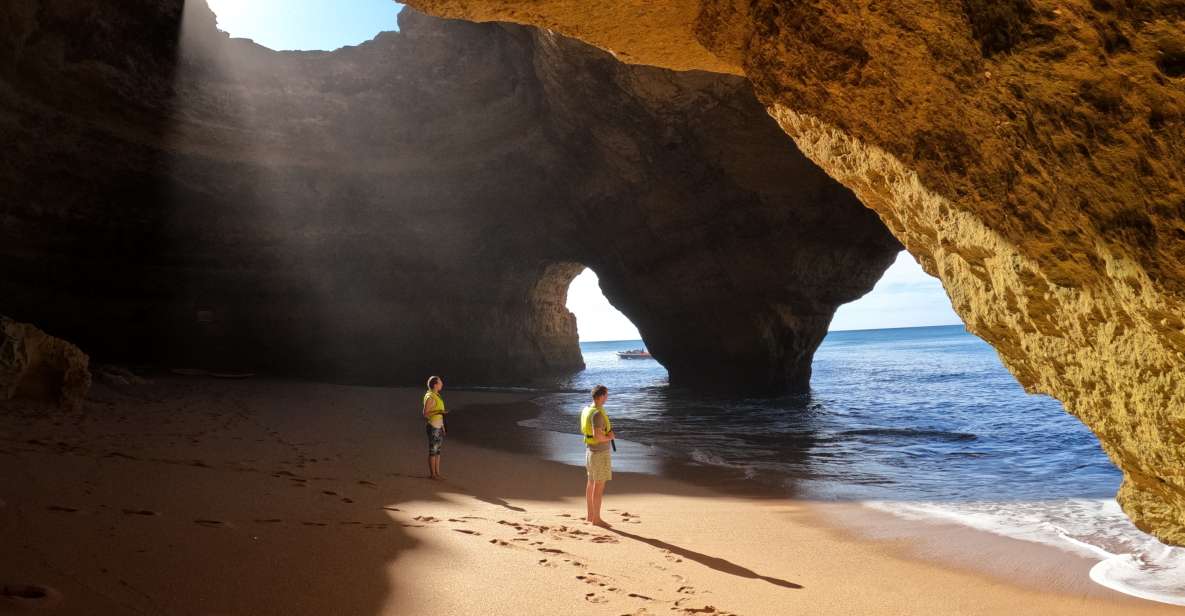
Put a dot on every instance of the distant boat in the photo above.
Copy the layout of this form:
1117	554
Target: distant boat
634	354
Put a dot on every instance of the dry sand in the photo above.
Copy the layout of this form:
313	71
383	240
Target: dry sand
199	496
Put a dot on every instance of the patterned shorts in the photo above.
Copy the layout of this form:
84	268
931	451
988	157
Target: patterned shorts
599	465
435	440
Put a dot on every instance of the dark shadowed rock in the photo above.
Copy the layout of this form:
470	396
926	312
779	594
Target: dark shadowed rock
416	204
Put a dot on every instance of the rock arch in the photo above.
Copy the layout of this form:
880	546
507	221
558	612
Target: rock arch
1027	153
414	201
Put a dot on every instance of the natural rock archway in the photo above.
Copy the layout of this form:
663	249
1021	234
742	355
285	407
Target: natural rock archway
1028	153
416	203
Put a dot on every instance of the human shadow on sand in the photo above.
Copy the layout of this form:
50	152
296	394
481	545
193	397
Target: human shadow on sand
719	564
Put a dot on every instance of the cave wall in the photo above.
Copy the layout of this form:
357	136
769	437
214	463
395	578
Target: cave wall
414	204
1028	153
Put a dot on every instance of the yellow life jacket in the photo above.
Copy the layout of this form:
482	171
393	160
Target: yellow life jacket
438	408
586	423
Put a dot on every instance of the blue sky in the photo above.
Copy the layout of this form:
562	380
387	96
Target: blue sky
305	24
905	297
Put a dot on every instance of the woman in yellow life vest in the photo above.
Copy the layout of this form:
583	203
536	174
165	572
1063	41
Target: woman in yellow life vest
598	436
434	414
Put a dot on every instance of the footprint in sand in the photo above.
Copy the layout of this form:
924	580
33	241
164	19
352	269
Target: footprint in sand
630	518
467	531
347	500
212	523
62	509
547	563
593	597
499	542
140	512
707	609
550	551
594	579
392	509
329	493
29	596
367	484
604	539
349	523
427	519
269	521
314	523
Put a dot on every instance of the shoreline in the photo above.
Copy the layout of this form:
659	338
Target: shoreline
999	557
195	496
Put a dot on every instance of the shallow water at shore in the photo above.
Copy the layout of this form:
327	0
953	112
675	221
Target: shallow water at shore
923	423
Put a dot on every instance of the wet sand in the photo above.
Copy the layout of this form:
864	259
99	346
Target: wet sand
201	496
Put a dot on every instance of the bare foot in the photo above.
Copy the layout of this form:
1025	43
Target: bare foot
601	523
438	477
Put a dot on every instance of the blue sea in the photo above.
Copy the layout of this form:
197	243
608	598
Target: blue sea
924	423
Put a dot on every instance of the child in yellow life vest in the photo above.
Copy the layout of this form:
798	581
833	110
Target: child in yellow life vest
434	414
598	436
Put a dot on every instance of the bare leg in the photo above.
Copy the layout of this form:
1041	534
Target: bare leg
598	496
431	466
436	465
593	492
589	494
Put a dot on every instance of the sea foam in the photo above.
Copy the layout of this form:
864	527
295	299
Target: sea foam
1130	561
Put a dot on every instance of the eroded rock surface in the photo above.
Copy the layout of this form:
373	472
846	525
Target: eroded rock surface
1028	153
416	204
37	366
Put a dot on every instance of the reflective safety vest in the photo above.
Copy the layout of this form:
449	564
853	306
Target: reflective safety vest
438	409
586	423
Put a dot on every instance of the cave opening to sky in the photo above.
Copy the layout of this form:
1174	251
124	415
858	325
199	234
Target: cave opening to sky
596	318
306	25
905	296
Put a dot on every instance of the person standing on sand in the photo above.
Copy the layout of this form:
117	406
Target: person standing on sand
434	413
598	436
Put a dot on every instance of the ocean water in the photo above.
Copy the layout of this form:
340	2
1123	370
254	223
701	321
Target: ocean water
924	423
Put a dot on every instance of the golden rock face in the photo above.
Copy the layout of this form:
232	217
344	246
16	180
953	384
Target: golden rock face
38	366
1030	154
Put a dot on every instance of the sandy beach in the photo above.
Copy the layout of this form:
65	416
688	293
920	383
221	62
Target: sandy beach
217	497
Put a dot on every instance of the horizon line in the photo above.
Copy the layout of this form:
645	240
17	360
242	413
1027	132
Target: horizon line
866	329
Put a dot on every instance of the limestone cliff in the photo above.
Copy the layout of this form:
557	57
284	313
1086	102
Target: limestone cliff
35	365
415	204
1028	153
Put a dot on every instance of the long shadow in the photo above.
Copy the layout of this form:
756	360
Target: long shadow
719	564
493	500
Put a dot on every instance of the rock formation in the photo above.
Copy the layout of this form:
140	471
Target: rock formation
415	204
37	366
1028	153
